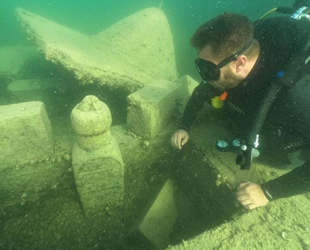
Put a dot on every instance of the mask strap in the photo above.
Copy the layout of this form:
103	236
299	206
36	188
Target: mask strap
236	55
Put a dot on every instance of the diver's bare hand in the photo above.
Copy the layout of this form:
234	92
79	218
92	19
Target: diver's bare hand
251	195
179	138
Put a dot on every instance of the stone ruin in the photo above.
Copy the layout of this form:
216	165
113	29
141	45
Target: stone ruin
116	168
132	53
136	55
96	157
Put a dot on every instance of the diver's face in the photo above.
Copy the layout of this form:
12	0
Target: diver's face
228	78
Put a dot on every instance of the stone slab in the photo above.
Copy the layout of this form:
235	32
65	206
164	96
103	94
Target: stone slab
23	184
189	82
99	177
25	133
157	222
150	108
211	216
125	55
30	85
284	224
31	90
13	60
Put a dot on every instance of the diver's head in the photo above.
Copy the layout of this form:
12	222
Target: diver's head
226	48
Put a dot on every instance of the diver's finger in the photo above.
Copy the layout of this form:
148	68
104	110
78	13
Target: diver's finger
242	197
250	206
242	185
179	143
184	141
241	192
175	140
246	203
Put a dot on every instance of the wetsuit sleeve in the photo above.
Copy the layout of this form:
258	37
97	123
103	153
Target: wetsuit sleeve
293	183
194	105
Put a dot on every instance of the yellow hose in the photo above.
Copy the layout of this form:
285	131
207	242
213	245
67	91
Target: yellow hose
268	13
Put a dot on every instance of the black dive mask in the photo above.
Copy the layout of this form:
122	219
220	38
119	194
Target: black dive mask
210	71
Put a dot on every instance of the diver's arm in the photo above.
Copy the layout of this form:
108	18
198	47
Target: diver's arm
293	183
298	180
194	105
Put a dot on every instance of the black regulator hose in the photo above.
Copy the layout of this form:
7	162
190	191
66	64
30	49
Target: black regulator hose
245	158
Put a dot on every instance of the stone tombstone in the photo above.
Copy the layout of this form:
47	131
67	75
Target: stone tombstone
97	161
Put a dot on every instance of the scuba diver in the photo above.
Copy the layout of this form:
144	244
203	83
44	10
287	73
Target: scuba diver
259	73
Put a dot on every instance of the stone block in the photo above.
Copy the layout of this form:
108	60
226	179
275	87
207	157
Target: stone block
99	177
125	55
150	108
283	224
190	82
31	89
13	60
157	222
27	183
25	133
96	158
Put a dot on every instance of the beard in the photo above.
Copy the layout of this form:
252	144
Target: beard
228	80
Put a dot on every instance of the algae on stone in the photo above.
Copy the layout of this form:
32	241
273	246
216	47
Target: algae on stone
96	157
25	133
130	54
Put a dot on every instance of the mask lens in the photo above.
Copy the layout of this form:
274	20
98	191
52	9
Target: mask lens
207	70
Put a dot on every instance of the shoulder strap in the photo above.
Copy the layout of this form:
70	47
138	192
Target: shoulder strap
297	69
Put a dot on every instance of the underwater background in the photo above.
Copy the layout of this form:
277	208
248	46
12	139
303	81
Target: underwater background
57	221
91	17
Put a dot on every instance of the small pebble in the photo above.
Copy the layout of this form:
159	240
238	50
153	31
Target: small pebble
285	236
67	157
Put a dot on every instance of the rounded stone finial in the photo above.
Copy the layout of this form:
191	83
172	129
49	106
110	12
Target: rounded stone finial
91	117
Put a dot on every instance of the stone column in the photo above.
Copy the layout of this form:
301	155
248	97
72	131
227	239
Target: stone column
96	158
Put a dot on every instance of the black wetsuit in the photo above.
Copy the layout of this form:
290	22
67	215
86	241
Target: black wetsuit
281	40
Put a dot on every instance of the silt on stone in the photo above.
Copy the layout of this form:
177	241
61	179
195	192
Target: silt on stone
152	107
131	54
25	134
96	157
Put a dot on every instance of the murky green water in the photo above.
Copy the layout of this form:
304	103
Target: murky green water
91	17
56	220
